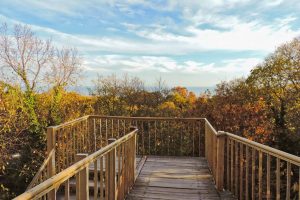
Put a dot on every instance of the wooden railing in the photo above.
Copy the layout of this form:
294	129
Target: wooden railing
248	169
114	172
251	170
157	135
256	171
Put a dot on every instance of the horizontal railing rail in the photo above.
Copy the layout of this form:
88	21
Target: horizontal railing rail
114	170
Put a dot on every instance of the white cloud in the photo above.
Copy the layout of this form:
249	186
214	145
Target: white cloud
168	65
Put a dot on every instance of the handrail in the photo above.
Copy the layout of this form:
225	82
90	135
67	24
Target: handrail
149	118
58	179
40	171
70	122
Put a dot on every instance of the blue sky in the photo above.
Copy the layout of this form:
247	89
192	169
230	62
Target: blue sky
185	42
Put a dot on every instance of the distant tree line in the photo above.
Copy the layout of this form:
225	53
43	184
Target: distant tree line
264	107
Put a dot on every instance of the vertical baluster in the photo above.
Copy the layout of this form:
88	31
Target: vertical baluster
241	171
112	128
118	128
299	184
288	180
268	177
231	165
123	170
58	152
155	139
161	137
181	138
278	178
106	133
260	175
74	141
199	139
67	189
227	163
236	168
168	137
96	179
193	136
95	134
247	173
253	175
149	139
106	177
82	137
101	179
119	170
66	132
143	137
124	127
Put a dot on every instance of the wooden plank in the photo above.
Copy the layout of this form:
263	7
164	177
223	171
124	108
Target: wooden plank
174	178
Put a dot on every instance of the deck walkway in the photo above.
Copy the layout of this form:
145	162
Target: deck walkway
175	178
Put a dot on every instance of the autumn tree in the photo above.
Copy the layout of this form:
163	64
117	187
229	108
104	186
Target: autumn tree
28	66
277	82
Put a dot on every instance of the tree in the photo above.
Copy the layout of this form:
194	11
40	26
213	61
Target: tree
277	82
28	64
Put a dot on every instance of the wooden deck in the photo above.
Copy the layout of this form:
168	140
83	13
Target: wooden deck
175	178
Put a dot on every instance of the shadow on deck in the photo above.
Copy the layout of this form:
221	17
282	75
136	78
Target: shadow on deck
163	177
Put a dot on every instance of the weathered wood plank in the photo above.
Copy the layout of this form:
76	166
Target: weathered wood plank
174	178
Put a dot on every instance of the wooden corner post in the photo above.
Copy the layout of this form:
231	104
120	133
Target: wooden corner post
51	164
82	180
220	160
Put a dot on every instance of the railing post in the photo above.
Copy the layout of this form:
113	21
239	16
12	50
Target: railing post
220	160
111	189
132	128
206	140
82	180
51	164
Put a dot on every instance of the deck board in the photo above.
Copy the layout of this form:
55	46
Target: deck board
174	178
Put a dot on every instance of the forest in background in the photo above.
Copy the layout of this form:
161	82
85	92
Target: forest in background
264	107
